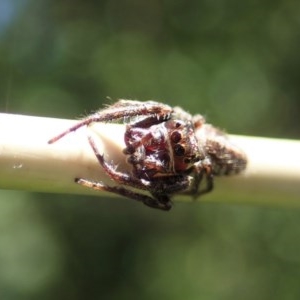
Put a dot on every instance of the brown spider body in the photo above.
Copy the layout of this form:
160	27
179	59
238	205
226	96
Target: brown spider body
164	149
170	152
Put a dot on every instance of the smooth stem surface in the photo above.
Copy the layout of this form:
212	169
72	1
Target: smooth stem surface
28	162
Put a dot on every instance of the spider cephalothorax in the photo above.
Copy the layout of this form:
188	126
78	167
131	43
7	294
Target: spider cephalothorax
170	151
164	149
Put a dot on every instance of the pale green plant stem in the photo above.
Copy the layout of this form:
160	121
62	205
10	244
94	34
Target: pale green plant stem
28	162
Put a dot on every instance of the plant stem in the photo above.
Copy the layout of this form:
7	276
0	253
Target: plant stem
28	162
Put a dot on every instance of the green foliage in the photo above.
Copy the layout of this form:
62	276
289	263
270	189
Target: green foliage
235	62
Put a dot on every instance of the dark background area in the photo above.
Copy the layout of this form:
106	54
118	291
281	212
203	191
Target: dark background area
235	62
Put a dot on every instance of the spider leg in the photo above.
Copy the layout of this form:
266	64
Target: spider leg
150	120
209	184
159	200
119	110
169	185
86	121
199	173
119	177
162	203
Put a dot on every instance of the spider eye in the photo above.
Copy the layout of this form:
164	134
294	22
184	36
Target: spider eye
179	150
175	137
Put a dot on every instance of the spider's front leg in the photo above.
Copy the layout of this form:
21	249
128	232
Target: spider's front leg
123	109
160	201
119	177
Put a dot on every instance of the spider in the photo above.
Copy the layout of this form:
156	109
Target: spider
169	150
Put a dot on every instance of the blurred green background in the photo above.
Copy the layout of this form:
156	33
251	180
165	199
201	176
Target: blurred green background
236	62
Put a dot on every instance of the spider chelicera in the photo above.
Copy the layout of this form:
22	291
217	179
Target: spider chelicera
170	152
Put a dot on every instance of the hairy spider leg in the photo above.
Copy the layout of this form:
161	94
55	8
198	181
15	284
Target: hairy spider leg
161	201
209	182
147	200
199	172
119	110
120	177
151	120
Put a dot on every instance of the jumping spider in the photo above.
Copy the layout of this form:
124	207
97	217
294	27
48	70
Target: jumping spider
170	152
